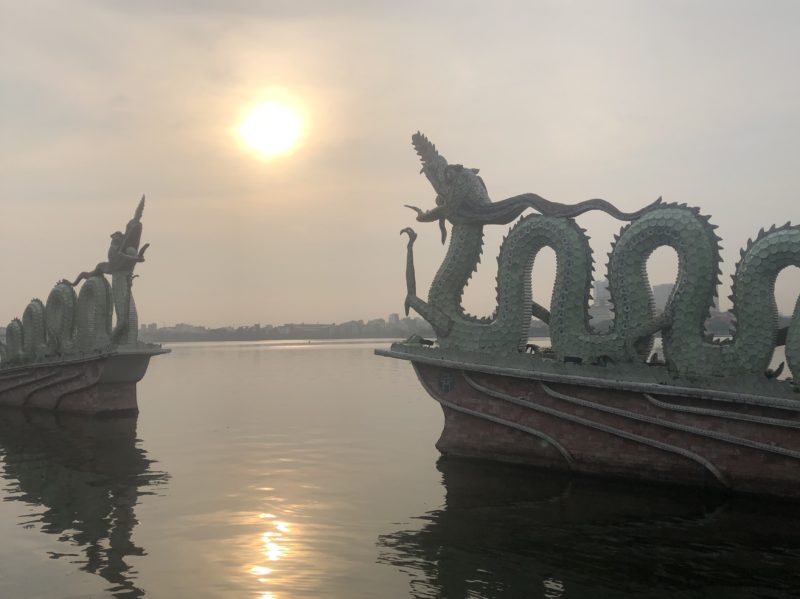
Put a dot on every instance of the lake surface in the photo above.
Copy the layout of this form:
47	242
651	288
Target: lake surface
286	471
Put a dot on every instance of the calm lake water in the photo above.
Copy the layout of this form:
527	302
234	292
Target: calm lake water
271	471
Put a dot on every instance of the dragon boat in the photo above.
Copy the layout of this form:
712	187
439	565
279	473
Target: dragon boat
704	411
70	354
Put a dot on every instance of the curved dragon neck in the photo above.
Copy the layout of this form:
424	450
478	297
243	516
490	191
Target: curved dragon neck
461	260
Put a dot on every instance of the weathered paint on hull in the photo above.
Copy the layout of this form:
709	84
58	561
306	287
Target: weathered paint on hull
617	433
97	384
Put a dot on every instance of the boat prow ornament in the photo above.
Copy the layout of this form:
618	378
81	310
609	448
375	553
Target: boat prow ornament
706	411
65	354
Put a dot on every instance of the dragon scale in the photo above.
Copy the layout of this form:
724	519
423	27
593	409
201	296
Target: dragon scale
126	329
33	339
60	318
93	314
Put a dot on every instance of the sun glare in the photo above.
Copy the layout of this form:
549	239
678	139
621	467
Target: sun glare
271	128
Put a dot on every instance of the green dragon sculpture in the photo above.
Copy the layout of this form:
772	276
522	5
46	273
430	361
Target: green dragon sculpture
71	324
462	199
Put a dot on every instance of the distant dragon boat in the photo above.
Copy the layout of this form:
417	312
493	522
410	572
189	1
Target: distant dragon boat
65	354
706	412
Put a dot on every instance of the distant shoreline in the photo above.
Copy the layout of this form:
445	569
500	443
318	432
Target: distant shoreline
719	325
295	342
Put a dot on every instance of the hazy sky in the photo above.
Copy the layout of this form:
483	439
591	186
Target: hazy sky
102	101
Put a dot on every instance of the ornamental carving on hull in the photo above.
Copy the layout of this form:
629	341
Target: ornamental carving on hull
70	323
688	352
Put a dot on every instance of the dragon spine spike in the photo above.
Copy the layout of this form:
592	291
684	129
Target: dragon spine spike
139	209
425	149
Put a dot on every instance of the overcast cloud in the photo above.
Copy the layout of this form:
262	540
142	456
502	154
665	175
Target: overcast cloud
104	101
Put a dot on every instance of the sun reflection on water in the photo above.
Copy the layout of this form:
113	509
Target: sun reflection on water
272	550
274	546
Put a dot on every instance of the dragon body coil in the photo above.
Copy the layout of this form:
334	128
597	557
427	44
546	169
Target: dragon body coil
66	325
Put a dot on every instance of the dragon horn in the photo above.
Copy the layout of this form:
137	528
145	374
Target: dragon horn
139	209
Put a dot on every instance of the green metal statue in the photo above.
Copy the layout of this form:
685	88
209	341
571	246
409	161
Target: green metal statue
68	323
463	201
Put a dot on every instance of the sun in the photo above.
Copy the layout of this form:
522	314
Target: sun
271	128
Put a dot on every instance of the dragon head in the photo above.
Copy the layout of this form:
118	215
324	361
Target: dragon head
458	189
461	196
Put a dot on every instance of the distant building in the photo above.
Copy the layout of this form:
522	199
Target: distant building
601	308
305	331
350	329
661	295
183	327
601	293
662	292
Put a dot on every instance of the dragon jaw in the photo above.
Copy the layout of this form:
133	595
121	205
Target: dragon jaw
454	184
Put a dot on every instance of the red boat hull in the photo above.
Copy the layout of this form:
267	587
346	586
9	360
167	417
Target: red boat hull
95	384
617	433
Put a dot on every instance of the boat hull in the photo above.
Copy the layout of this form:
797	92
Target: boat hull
103	383
609	432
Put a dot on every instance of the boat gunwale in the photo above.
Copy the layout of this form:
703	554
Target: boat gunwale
85	357
750	399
